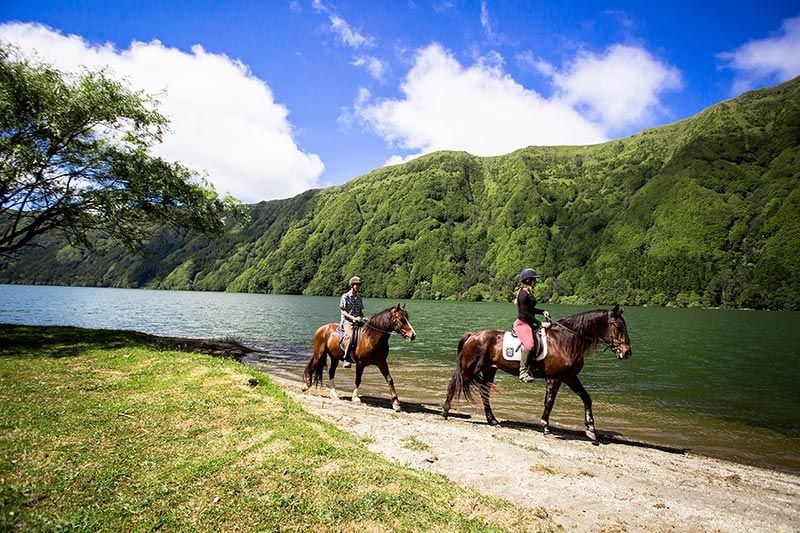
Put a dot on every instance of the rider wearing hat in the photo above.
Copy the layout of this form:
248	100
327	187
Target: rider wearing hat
352	309
526	321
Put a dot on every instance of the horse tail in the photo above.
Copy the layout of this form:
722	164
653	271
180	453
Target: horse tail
456	386
312	374
464	387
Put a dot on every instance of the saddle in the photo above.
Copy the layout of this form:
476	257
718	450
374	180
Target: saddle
513	347
340	331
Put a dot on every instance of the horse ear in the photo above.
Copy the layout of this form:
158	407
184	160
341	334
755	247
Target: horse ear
616	309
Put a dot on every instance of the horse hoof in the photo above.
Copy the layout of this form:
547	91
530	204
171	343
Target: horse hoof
396	406
493	422
334	396
355	399
592	435
546	432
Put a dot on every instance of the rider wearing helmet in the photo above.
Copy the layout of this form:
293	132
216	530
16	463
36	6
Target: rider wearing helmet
352	309
526	321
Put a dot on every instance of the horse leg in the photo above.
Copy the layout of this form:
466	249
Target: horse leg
359	374
486	388
576	385
332	375
383	366
549	401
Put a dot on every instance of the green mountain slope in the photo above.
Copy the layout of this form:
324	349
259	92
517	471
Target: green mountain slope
705	211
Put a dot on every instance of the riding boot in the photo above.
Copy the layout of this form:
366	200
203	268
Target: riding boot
524	369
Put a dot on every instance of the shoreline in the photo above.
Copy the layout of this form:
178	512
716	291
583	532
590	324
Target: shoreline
237	350
618	485
234	349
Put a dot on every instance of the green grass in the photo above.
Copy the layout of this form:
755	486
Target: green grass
109	430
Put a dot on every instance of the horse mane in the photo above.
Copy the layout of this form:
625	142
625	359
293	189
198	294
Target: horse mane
382	321
588	326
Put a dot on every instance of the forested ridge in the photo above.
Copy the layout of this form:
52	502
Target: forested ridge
703	212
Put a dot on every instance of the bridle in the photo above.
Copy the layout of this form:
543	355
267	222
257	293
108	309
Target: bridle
370	326
613	343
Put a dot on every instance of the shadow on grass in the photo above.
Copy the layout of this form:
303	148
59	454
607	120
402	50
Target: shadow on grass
68	341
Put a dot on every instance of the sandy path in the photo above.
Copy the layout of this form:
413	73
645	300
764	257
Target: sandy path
614	486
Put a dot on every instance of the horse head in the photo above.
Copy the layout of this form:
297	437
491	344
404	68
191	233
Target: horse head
617	331
400	323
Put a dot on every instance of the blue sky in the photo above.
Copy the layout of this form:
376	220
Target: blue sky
271	98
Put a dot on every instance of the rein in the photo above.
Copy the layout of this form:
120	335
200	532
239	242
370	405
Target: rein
370	326
608	344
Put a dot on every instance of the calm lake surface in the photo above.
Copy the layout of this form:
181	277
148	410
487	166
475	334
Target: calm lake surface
715	382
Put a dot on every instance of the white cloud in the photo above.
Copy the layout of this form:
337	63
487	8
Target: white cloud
223	119
375	67
347	34
399	159
527	61
486	24
341	28
443	6
618	89
772	60
480	109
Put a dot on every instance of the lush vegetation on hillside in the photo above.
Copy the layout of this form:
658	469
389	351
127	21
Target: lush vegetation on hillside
703	212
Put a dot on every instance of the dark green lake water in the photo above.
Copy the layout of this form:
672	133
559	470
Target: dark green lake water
715	382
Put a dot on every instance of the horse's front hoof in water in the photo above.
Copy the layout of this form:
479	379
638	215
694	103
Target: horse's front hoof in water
396	406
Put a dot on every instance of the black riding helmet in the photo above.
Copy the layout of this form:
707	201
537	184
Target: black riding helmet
528	274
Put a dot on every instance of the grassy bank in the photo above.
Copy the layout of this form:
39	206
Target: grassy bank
109	430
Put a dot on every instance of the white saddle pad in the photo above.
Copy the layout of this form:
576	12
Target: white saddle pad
512	346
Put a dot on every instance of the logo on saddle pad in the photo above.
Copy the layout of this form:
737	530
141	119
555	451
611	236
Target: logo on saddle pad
512	346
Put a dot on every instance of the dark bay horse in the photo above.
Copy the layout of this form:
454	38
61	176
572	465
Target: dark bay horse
372	349
480	355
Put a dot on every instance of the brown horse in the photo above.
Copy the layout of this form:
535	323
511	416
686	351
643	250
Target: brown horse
372	349
479	357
